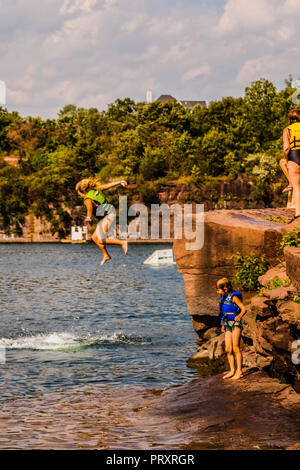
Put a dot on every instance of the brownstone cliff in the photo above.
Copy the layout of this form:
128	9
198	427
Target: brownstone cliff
272	322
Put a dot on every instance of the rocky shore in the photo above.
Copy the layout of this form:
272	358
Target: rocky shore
208	413
272	322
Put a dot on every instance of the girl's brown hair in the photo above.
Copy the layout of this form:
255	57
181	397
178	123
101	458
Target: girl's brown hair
85	185
224	284
294	116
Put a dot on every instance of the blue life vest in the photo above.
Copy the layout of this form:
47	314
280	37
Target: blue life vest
228	308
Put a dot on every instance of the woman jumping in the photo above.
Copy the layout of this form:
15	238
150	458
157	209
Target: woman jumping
91	190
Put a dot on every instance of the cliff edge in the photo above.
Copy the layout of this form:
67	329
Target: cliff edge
272	323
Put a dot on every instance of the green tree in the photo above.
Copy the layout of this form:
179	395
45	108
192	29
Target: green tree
154	164
213	151
13	199
259	102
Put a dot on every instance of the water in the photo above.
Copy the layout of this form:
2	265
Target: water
67	322
94	355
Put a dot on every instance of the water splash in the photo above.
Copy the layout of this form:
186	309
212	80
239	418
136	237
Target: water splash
69	341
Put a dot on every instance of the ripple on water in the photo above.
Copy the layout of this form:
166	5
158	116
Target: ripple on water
65	321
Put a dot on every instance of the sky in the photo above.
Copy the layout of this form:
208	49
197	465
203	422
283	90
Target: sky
91	52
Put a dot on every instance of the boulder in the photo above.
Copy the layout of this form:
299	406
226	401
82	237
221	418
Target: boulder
278	272
210	357
280	293
260	307
261	341
289	311
211	333
280	338
212	349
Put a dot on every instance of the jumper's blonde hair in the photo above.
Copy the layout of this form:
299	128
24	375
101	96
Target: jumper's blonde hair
87	184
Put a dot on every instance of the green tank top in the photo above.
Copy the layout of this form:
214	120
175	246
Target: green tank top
96	195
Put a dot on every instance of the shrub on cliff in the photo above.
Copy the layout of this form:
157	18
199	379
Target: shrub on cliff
275	283
249	269
291	238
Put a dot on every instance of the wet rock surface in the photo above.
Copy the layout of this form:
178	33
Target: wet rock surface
255	412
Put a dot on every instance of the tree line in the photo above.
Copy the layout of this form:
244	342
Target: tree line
150	143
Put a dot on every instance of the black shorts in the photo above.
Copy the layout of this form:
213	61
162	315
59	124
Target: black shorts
294	156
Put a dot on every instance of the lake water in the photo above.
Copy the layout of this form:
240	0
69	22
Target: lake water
94	355
67	322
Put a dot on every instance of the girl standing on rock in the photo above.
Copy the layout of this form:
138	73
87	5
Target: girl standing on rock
91	190
232	311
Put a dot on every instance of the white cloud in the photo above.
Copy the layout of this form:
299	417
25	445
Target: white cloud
76	34
262	35
91	52
197	72
166	26
110	3
134	23
254	15
179	52
267	66
28	80
70	6
18	97
291	7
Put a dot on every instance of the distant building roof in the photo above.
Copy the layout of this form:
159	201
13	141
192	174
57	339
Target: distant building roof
165	98
186	103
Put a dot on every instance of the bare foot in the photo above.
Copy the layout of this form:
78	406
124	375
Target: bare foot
229	374
237	375
104	259
125	246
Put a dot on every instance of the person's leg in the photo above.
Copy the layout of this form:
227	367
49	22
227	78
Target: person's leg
113	241
99	237
101	245
283	166
236	336
294	174
230	357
